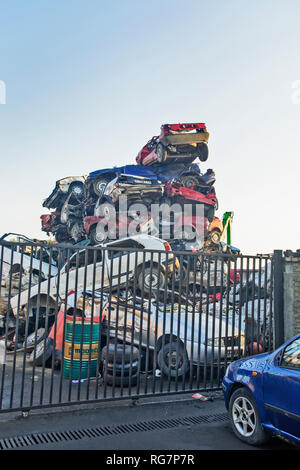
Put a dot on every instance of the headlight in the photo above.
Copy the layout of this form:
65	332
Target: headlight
227	370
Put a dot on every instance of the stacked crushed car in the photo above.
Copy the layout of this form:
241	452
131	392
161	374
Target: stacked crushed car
165	174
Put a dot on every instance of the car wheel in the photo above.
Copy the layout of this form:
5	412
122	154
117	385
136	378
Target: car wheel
77	190
244	418
150	279
125	382
61	236
189	180
202	151
161	153
173	360
97	236
119	369
119	353
99	186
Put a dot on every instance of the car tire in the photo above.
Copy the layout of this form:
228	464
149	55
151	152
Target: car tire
77	190
149	278
41	353
161	153
245	419
99	186
125	382
61	236
179	362
202	151
189	180
119	354
120	369
97	237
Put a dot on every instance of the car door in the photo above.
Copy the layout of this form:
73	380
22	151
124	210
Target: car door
281	382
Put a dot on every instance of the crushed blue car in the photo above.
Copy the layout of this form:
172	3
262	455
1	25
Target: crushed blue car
155	173
262	395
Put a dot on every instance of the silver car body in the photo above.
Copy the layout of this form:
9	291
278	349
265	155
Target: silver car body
205	338
93	276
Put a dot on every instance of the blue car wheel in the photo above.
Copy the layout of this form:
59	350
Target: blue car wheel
245	419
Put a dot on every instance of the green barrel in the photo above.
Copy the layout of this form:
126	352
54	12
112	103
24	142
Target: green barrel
81	354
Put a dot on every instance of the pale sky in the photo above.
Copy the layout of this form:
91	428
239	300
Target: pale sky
89	82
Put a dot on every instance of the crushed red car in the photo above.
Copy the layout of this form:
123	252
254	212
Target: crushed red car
176	142
183	195
99	233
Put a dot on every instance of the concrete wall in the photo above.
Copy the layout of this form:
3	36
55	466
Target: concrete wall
291	280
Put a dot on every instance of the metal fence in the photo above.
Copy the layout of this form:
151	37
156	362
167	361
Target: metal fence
115	322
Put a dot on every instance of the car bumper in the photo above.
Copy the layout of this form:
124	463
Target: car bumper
226	386
185	139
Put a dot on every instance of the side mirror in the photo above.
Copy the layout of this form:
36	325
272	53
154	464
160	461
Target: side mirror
278	357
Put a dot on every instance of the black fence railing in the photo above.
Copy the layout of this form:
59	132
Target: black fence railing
86	324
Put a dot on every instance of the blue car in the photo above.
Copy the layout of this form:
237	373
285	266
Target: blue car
156	173
262	395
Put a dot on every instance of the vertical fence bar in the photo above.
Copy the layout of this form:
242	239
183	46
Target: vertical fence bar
192	359
157	316
17	332
133	315
124	321
220	333
179	316
46	326
98	255
65	275
163	362
149	309
141	313
57	308
37	320
200	320
264	323
206	320
241	344
278	298
183	343
212	357
73	327
26	331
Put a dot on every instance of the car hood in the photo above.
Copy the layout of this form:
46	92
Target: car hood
250	363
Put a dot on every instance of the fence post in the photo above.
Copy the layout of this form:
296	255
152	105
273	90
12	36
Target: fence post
278	298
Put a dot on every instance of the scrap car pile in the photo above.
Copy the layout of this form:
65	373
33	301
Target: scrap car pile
165	174
143	288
